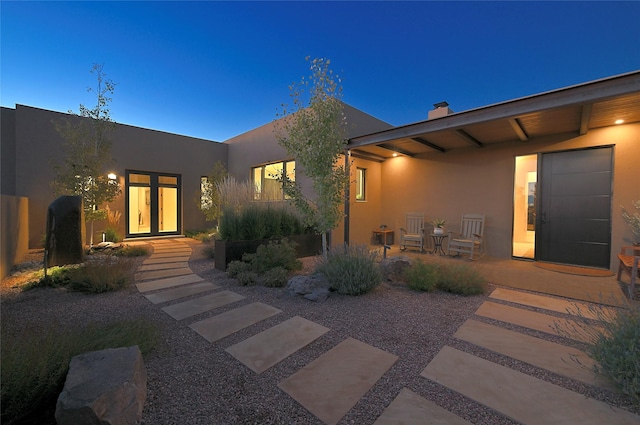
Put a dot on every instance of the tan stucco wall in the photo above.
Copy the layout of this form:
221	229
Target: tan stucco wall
481	180
38	145
14	231
260	146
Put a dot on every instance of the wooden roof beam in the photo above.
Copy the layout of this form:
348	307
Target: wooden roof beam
469	138
367	156
395	149
516	125
429	144
585	118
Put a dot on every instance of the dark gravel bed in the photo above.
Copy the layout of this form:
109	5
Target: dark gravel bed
192	381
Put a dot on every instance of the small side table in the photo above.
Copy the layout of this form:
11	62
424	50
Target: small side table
437	243
385	237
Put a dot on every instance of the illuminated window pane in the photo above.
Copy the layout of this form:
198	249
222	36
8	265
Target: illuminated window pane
257	182
267	179
361	178
168	180
168	209
140	178
205	193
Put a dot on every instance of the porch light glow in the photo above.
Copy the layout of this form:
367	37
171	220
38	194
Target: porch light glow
111	176
619	121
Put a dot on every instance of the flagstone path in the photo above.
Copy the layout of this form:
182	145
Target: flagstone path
333	383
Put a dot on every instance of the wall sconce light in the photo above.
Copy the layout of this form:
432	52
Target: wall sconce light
111	176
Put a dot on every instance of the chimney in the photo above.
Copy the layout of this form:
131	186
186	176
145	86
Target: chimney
439	110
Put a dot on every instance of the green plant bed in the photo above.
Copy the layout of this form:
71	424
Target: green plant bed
306	245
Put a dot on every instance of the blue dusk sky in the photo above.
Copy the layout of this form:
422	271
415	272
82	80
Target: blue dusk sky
217	69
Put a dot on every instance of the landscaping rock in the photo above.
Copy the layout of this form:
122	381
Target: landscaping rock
314	287
393	268
318	295
104	387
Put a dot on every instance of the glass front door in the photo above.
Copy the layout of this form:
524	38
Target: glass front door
524	206
153	204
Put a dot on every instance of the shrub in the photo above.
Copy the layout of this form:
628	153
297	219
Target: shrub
275	278
105	275
35	363
351	270
247	278
422	277
236	267
133	251
268	266
276	254
210	250
112	235
229	228
258	221
253	223
617	350
109	273
461	279
201	235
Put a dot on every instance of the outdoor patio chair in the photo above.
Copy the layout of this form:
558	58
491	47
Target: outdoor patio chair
470	238
629	258
412	236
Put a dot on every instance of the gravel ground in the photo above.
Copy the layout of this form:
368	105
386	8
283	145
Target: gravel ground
192	381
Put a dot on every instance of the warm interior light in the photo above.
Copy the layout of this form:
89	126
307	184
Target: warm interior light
395	154
111	176
619	121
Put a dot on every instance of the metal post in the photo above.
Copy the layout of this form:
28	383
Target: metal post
347	166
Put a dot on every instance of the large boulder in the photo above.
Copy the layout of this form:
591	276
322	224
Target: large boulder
313	287
393	268
106	387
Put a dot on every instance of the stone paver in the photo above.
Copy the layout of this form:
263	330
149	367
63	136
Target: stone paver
521	397
172	250
332	384
162	266
181	292
168	282
224	324
159	274
168	255
273	345
556	358
590	311
533	320
408	408
171	259
201	304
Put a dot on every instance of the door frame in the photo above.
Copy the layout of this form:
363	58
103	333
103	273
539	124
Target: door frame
154	203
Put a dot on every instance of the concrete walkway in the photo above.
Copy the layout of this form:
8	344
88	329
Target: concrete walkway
333	383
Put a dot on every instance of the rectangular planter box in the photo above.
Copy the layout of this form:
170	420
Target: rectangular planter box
228	251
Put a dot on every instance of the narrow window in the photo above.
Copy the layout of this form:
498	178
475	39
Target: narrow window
205	193
361	184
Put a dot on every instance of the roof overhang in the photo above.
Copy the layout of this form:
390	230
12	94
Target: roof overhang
571	110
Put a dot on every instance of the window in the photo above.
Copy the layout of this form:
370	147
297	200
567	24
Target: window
205	193
361	184
267	179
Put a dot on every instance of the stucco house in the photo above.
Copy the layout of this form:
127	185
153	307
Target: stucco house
548	171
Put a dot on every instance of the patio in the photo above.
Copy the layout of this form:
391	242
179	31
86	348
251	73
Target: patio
524	274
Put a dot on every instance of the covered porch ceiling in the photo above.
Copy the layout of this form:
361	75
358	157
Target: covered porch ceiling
573	110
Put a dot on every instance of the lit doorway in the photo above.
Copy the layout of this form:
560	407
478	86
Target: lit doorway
524	206
152	203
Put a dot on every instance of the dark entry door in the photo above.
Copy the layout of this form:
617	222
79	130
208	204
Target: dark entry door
574	215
